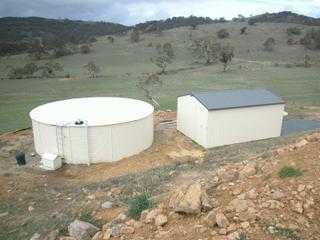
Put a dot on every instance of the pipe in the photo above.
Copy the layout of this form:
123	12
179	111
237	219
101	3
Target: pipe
88	147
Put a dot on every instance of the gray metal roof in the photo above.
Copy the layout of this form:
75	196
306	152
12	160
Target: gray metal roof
225	99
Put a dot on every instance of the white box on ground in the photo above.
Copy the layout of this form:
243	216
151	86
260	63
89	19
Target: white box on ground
51	161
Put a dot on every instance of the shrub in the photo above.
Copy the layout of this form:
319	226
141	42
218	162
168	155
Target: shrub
223	33
293	31
85	49
311	40
111	39
61	51
137	205
242	236
290	41
269	44
251	22
288	171
86	216
266	177
135	36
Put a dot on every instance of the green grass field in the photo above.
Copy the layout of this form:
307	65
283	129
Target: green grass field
122	62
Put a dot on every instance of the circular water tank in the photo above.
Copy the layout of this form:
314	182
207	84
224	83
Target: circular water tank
92	130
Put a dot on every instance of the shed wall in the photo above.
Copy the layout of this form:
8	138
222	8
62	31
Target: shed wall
192	119
237	125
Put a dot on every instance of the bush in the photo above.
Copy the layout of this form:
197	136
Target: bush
311	40
269	44
293	31
135	36
85	49
111	39
223	33
137	205
251	22
62	51
288	171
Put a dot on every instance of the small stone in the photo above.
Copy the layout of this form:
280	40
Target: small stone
301	187
276	195
245	225
144	214
107	235
236	192
240	205
233	236
160	220
30	208
127	230
119	219
222	221
223	231
91	197
4	214
249	169
231	228
152	215
107	205
36	236
293	226
210	219
297	207
116	229
97	236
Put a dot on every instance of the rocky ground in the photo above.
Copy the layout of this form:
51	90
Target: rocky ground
222	193
245	200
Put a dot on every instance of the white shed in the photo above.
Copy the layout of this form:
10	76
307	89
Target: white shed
216	118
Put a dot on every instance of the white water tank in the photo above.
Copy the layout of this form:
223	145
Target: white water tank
93	130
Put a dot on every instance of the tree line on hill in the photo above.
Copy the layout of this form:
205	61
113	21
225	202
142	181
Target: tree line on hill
51	38
34	34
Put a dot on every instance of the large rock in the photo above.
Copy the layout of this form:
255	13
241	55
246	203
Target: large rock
82	230
192	200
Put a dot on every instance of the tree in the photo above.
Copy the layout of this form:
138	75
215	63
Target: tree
311	40
49	69
111	39
307	61
206	48
163	57
269	44
243	30
148	82
226	55
26	71
223	33
61	51
252	22
92	68
293	31
85	49
135	36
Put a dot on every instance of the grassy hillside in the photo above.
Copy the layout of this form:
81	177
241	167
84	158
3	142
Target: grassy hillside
122	62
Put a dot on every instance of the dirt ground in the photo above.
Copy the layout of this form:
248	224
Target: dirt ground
29	182
168	146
